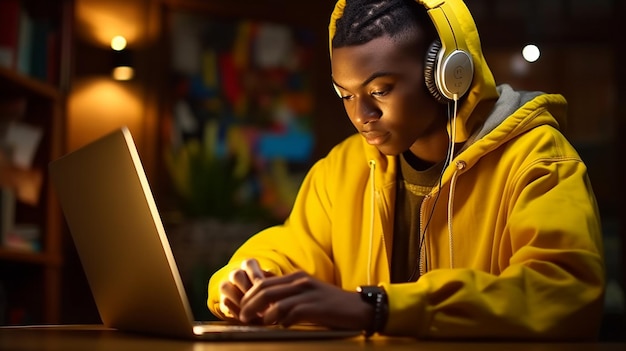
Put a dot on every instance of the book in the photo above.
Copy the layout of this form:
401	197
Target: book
7	214
23	139
9	32
19	143
40	47
25	43
18	236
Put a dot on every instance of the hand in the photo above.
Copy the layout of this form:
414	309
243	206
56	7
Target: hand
239	282
298	297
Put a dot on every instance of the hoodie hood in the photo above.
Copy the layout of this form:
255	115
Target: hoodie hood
483	87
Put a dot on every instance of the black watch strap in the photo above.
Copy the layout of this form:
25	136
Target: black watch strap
377	297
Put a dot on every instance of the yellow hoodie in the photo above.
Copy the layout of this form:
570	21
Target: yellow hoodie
513	251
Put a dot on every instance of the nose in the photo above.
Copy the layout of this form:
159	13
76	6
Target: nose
365	111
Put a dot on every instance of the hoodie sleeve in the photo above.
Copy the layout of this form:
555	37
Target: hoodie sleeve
302	243
547	275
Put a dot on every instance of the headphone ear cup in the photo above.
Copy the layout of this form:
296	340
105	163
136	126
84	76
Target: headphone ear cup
430	68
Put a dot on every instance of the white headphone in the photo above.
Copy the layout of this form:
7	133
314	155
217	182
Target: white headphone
448	68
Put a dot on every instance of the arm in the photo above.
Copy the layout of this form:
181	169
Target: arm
301	243
546	279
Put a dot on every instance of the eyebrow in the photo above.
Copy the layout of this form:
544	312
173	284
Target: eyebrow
369	79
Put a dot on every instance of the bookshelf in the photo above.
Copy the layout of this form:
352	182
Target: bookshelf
32	101
30	278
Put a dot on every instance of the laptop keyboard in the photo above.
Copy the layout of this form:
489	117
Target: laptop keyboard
214	326
224	326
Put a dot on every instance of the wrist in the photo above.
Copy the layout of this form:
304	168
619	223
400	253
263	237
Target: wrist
377	298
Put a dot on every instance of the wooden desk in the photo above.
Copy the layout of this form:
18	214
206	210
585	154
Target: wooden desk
96	338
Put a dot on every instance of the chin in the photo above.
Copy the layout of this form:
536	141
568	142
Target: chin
389	150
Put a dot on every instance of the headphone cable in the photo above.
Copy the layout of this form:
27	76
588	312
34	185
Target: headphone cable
451	137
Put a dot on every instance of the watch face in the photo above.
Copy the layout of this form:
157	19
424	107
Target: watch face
369	293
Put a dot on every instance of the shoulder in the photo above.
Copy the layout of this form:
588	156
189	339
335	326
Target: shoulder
347	158
350	148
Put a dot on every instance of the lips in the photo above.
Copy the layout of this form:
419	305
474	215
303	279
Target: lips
372	133
374	137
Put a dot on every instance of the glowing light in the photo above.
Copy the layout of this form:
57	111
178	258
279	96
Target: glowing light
100	104
123	73
118	43
531	53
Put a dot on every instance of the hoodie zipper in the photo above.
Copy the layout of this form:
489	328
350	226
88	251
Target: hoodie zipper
460	165
422	240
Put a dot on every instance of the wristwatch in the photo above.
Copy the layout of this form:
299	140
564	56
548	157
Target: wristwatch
377	297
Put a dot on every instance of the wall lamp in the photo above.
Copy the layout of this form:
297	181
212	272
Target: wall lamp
122	59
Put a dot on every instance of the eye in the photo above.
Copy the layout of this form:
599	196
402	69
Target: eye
380	92
347	97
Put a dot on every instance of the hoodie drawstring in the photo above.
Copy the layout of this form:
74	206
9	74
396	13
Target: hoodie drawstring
453	180
459	165
372	165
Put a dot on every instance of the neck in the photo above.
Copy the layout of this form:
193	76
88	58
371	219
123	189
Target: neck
432	148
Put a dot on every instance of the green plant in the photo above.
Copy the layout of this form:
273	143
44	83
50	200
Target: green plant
207	182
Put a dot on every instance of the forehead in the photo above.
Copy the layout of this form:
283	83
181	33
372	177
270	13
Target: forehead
354	64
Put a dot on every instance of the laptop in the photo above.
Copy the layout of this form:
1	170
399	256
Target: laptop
124	250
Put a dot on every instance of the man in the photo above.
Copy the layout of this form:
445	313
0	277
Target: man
459	210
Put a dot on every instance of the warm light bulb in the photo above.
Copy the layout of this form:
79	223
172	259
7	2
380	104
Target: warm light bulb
531	53
118	43
123	73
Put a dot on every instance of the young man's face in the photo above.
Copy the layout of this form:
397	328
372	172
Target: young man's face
383	91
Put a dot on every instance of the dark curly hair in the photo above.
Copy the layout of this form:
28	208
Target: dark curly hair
365	20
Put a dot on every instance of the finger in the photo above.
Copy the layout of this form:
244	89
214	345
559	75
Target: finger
262	295
240	279
303	310
321	306
230	298
229	308
231	292
253	269
288	311
298	281
291	296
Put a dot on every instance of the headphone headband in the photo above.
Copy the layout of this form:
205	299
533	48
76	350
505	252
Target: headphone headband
452	69
446	23
453	66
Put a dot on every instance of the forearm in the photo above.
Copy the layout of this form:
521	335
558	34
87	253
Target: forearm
523	302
